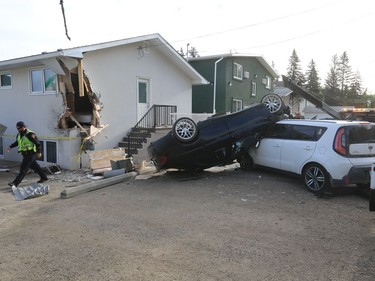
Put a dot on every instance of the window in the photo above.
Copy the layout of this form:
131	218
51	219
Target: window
5	80
277	131
307	133
43	81
236	105
49	151
142	92
1	146
268	82
237	71
253	89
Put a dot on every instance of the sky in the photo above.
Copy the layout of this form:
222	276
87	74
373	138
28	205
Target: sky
316	29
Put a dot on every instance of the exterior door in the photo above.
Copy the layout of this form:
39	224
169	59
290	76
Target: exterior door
268	153
143	97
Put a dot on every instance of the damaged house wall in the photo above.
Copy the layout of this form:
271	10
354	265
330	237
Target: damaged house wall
40	113
97	94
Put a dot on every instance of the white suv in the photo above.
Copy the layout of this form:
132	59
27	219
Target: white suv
324	152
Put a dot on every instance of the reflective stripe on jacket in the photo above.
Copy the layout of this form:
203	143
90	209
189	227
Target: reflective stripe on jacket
24	143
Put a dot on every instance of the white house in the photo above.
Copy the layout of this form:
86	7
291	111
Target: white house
96	93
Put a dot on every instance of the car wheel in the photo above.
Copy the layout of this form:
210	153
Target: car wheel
185	130
246	162
315	178
274	103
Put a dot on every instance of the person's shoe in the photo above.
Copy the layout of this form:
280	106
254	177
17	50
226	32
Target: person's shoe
12	184
42	180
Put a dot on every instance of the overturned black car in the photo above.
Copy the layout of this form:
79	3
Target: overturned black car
219	140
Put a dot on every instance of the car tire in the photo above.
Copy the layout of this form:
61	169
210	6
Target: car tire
315	178
246	162
185	130
274	103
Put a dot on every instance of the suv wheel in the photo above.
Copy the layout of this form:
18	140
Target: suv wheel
185	130
315	178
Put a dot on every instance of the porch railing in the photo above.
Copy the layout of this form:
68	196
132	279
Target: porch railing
156	116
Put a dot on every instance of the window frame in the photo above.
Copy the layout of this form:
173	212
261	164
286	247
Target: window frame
253	88
237	71
43	90
45	154
301	132
237	105
268	82
5	87
1	146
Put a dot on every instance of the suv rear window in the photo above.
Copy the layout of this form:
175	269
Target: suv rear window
355	141
361	134
361	140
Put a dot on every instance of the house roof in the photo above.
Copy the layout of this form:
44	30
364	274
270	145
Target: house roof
260	58
155	41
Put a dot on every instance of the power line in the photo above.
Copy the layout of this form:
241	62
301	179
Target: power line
261	22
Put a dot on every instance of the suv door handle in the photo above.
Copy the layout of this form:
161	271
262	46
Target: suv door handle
307	148
276	145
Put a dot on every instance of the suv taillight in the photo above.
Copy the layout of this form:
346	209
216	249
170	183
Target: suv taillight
339	144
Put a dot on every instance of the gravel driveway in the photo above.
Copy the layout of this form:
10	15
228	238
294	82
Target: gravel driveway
223	224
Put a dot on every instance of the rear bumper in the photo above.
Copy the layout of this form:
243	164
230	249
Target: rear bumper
356	175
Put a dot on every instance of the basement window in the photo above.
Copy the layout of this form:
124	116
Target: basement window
43	81
236	105
49	151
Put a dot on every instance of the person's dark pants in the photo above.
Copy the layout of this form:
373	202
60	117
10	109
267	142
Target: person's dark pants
28	161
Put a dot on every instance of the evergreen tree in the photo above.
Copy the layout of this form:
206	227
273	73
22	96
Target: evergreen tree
332	91
312	79
193	53
181	52
344	75
294	70
355	89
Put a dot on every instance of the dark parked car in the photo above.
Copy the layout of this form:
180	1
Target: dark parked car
219	140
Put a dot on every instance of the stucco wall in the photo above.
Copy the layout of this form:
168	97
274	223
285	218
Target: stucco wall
40	112
113	75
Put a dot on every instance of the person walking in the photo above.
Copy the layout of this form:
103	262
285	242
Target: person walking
30	148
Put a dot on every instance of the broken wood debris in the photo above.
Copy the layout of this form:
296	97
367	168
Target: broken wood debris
100	160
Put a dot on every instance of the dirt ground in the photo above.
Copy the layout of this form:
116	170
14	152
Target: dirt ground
223	224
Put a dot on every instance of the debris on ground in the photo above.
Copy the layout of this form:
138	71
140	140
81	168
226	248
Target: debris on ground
31	191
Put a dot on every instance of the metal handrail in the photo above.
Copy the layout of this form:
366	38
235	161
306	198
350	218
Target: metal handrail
157	115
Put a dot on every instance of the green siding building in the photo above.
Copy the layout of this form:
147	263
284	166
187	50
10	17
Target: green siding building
236	81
